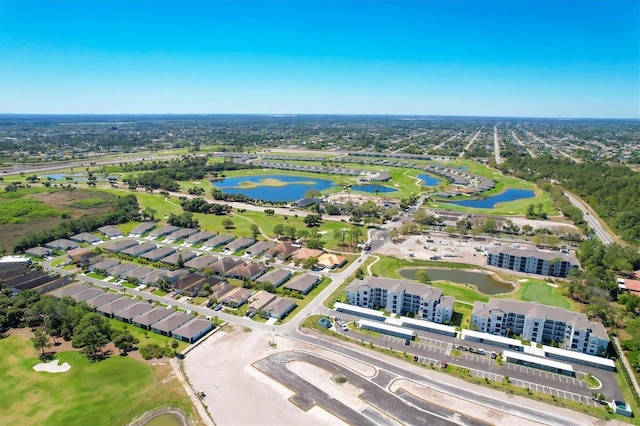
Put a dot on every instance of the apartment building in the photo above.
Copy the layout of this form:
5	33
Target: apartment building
532	261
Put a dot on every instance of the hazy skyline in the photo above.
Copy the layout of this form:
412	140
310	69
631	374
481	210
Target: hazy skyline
485	58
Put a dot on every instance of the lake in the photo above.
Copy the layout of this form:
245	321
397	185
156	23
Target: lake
373	188
428	180
485	283
492	201
272	187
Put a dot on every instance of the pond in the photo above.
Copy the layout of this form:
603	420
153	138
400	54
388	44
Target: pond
165	419
428	180
485	283
491	202
79	177
373	188
272	187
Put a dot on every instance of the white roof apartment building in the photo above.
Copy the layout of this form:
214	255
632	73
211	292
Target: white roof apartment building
540	323
401	297
532	260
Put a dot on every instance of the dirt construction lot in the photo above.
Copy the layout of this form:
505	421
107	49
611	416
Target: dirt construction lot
237	393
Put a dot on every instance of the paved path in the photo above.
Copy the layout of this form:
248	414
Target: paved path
634	381
473	139
531	153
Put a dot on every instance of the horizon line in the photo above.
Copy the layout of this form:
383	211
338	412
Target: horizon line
274	114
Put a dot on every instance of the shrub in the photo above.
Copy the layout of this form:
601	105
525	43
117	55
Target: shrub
156	351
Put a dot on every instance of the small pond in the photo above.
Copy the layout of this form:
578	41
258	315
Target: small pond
79	177
272	187
429	180
373	188
485	283
492	201
165	419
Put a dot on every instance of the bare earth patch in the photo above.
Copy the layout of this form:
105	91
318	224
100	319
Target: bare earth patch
52	367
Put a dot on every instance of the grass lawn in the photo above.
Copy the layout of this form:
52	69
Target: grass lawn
308	298
539	291
109	392
461	315
96	276
149	338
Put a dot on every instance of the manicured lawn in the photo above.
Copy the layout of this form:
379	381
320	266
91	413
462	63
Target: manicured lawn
109	392
96	276
149	338
539	291
461	315
462	292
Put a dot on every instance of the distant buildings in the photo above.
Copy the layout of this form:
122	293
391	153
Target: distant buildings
401	297
533	261
540	323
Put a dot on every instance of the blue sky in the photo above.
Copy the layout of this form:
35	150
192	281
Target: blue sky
493	58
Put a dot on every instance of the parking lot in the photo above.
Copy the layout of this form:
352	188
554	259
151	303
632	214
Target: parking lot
428	351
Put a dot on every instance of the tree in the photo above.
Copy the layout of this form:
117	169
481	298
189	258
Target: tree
125	342
355	235
489	226
310	262
255	230
423	277
278	230
313	193
313	220
180	261
339	234
227	224
92	334
393	234
40	340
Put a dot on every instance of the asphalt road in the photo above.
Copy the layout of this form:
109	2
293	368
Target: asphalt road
591	218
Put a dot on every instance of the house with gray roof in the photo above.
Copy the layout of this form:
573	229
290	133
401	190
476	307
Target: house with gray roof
277	277
260	300
181	234
154	277
201	262
70	290
199	237
157	254
193	330
220	289
103	299
166	325
400	297
280	307
147	319
137	274
89	293
303	283
129	313
218	241
239	244
142	229
85	237
121	269
39	252
62	244
258	248
163	231
103	266
109	309
119	245
174	259
541	324
110	231
248	271
187	284
236	297
139	249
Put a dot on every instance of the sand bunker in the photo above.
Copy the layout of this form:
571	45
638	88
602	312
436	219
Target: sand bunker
52	367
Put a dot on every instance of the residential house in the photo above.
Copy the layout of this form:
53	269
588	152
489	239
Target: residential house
193	330
139	249
70	290
277	277
121	269
39	252
157	254
102	299
218	241
61	244
149	318
89	293
129	313
258	248
236	297
103	266
109	309
281	251
163	231
280	307
331	261
303	283
239	244
85	237
166	325
75	255
201	262
142	229
137	274
260	300
247	271
224	265
220	289
189	284
174	259
181	234
119	245
303	254
110	231
199	237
